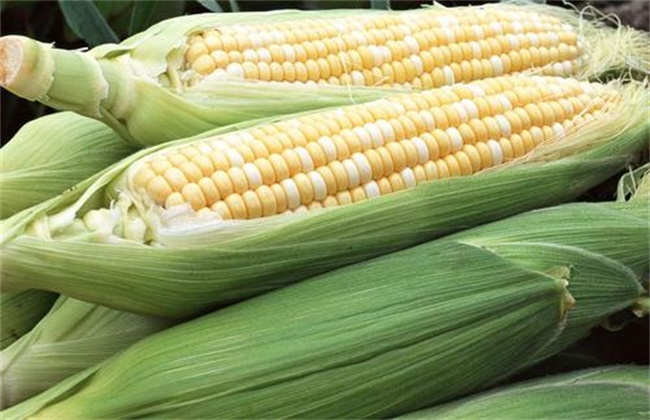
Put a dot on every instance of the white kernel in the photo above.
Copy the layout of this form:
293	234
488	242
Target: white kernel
504	125
253	175
319	184
412	44
235	158
449	34
377	55
405	29
514	41
385	53
553	37
278	36
246	137
476	90
558	129
375	134
408	176
505	102
418	64
460	110
291	191
398	107
497	65
568	67
329	148
353	173
305	159
496	27
478	31
558	69
264	55
534	39
449	75
423	151
371	189
232	139
476	49
470	108
428	119
256	40
386	130
357	78
250	55
359	37
363	166
289	52
518	27
495	149
235	70
364	137
456	139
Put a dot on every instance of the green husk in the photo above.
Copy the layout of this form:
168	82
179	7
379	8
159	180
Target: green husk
586	244
51	154
73	336
46	157
574	236
20	311
612	392
338	345
191	267
136	86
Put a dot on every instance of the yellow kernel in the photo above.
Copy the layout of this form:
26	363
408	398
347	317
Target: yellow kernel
209	189
174	199
158	189
237	206
175	178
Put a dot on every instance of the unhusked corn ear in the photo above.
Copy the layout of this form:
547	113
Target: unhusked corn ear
311	351
351	154
424	48
178	261
190	74
620	392
73	336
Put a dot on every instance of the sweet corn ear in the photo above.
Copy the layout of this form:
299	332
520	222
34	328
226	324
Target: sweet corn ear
351	154
189	74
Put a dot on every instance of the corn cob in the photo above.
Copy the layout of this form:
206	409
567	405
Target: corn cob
186	75
73	336
213	256
311	351
619	392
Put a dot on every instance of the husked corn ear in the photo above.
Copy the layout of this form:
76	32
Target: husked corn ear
337	157
190	74
423	49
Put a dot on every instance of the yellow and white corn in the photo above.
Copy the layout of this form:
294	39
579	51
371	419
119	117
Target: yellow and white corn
190	74
238	211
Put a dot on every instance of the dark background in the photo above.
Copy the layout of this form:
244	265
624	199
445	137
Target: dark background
44	20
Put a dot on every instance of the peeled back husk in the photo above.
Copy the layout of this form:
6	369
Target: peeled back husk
190	266
46	157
